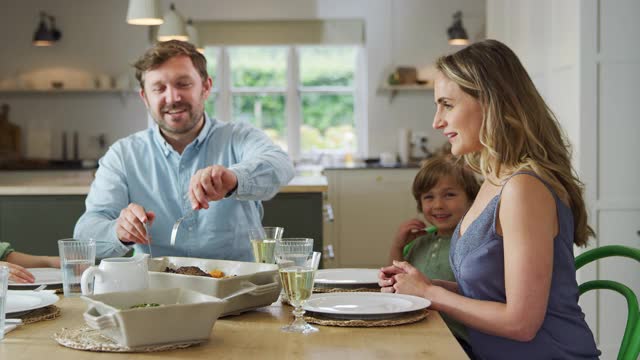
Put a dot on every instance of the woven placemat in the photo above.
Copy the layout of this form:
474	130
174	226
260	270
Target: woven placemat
322	290
88	339
46	313
408	318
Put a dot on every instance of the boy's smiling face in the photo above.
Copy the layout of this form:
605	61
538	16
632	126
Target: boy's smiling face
445	204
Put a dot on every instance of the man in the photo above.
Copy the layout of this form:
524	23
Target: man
187	161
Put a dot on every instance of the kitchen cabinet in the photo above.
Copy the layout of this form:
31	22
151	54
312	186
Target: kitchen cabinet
300	214
33	224
368	206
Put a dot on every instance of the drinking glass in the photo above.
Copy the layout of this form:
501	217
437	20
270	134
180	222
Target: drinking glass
263	243
294	259
75	257
4	283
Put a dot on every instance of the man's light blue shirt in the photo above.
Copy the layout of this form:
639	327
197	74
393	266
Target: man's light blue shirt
144	169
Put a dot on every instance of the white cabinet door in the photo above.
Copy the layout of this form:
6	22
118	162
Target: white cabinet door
616	227
368	206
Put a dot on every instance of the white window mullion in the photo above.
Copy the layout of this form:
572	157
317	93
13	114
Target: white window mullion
224	101
293	105
360	104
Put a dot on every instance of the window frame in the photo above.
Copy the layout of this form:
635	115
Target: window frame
292	92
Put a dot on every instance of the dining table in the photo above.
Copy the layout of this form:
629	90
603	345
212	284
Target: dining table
253	334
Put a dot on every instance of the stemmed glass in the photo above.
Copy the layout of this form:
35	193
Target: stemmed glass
293	256
263	243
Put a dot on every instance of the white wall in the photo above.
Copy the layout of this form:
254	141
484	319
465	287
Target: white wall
545	36
97	40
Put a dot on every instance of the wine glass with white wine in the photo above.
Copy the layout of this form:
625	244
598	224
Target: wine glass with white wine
293	256
263	243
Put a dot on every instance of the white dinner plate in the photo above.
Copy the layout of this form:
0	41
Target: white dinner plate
19	301
43	276
347	277
364	305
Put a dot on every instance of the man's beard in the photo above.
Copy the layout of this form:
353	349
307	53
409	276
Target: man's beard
193	118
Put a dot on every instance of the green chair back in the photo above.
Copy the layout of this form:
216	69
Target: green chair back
630	345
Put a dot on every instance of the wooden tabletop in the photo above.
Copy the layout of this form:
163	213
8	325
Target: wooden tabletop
252	335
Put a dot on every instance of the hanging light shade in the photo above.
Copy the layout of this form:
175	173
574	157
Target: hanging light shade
173	27
457	33
193	36
43	36
144	12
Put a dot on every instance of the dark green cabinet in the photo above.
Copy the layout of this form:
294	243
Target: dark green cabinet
299	213
34	223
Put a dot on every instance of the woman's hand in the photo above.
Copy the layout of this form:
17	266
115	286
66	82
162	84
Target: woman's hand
18	274
407	232
403	278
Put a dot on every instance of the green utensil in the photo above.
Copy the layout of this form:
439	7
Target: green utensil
405	251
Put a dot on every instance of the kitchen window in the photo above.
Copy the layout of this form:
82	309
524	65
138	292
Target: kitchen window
306	98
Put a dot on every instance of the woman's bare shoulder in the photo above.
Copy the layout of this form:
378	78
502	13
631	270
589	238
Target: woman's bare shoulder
527	189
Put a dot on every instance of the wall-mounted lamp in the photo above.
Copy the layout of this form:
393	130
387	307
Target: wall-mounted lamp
46	35
144	12
193	36
173	27
457	33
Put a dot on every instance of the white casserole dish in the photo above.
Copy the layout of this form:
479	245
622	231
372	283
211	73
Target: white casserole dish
184	316
251	285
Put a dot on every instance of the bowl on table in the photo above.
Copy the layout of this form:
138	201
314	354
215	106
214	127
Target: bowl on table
153	316
238	275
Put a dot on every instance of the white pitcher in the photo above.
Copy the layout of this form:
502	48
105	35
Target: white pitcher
117	274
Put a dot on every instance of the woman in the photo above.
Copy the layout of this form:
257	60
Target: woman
512	253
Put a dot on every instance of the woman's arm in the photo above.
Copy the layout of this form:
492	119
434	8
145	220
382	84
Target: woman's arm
528	219
449	285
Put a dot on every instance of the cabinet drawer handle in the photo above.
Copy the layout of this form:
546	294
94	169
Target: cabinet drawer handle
328	213
328	252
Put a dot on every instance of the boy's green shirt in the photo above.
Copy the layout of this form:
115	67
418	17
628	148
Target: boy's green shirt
5	250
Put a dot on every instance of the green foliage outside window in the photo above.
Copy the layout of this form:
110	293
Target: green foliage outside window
327	119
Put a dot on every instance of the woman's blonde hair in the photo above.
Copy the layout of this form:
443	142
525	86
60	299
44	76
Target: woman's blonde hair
518	131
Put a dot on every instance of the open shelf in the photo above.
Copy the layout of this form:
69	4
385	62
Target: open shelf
65	91
416	87
394	89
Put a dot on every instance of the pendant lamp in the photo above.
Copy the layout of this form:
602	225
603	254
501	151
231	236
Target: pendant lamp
173	27
193	36
144	12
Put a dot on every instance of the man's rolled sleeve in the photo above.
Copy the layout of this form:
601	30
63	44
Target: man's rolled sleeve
263	167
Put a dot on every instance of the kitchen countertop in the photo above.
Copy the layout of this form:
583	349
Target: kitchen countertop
253	335
373	167
78	182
